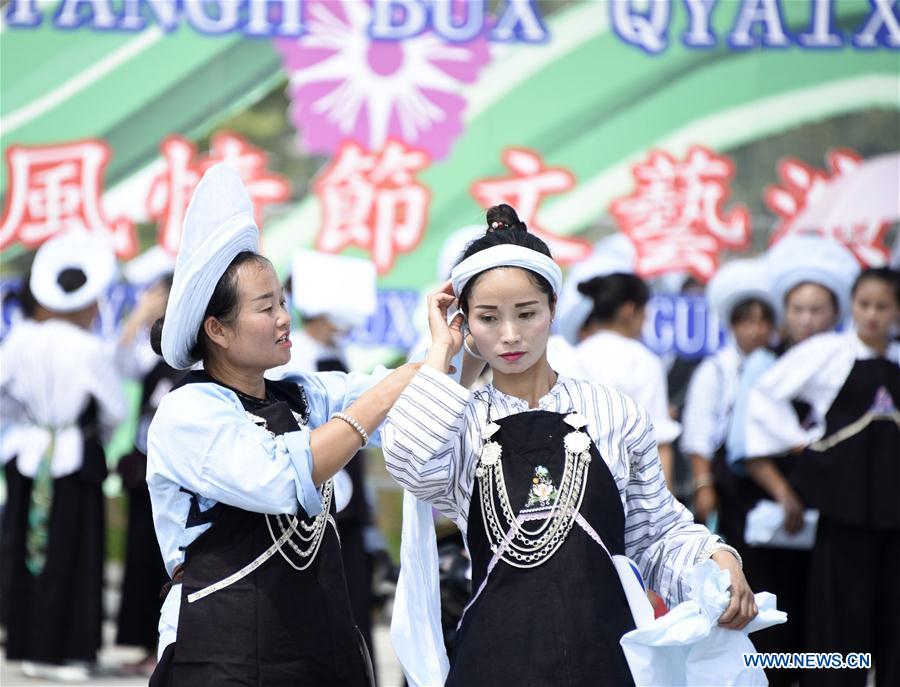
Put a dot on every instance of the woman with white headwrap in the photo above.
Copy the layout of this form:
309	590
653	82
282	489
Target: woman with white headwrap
845	460
552	481
62	398
810	278
740	295
239	469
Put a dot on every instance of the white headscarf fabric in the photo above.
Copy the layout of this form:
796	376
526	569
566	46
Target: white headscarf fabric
812	258
506	255
218	225
737	281
86	252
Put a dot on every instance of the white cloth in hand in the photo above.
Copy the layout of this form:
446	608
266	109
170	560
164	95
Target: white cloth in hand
687	647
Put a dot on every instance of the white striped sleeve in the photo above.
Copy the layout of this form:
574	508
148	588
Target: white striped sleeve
424	443
660	534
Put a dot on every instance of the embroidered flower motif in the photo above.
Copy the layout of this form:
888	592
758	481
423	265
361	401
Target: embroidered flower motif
575	420
577	442
490	453
543	492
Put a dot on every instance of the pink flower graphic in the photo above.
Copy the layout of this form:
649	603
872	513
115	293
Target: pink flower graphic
345	85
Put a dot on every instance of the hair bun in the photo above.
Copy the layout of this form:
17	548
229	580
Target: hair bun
503	216
156	336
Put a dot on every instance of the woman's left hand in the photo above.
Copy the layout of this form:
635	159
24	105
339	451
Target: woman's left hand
742	608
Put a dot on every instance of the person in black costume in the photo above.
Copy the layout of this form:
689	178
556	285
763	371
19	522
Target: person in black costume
62	399
553	482
239	470
848	470
144	572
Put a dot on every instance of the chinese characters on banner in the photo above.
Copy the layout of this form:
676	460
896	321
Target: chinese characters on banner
524	190
374	201
675	216
58	188
805	194
171	191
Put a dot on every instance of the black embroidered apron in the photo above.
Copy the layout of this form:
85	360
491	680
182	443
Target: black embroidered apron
277	625
854	598
856	482
558	623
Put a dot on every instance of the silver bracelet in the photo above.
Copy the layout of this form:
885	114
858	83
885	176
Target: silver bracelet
364	435
722	546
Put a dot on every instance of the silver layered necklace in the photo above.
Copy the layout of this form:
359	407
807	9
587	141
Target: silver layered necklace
508	536
302	537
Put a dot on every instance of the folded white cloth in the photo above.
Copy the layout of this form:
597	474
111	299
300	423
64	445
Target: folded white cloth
686	646
765	527
416	619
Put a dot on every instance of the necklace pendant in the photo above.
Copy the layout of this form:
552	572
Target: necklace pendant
577	442
490	453
575	420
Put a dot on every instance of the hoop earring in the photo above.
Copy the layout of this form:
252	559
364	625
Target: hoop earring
465	334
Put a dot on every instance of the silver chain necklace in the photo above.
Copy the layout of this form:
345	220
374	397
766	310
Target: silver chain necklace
517	545
309	535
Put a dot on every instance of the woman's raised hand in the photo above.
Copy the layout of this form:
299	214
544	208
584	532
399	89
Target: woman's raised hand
446	338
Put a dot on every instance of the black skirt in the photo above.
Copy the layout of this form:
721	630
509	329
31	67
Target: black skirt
56	615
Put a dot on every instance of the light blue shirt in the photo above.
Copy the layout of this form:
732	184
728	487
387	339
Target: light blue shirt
202	442
755	366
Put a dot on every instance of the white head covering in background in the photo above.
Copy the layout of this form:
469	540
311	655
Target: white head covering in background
149	267
86	252
454	246
801	258
339	287
611	254
737	281
52	368
218	225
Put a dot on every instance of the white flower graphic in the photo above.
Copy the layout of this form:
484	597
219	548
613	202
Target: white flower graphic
345	85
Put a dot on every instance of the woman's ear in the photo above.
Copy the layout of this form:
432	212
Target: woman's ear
216	332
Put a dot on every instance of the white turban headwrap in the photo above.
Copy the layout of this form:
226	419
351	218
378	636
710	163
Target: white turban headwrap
506	255
217	226
86	252
737	281
800	258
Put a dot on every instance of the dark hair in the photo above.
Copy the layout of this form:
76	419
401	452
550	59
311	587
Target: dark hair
505	228
610	292
23	295
71	279
223	305
744	311
888	276
831	294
